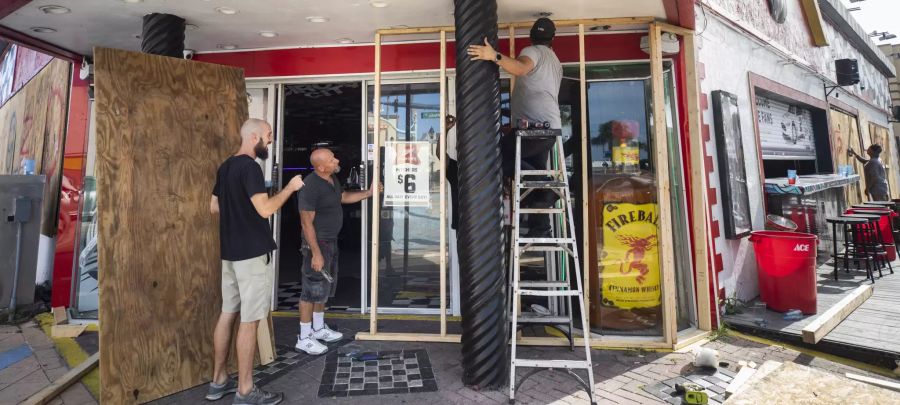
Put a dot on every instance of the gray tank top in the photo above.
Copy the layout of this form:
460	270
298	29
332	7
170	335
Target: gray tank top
536	95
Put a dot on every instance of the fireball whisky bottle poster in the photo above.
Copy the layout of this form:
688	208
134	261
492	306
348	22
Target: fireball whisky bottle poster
406	174
629	261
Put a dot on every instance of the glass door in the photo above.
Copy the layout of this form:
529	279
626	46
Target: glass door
409	235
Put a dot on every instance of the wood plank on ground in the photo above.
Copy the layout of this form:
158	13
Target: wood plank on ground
57	387
824	323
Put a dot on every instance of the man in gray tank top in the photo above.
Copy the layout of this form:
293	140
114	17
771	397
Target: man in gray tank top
535	98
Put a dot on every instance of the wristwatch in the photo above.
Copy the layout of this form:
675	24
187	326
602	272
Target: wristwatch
499	56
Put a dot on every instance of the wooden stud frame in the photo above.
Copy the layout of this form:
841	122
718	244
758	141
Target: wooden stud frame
585	172
698	184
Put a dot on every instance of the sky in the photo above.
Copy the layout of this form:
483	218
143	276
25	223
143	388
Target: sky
880	15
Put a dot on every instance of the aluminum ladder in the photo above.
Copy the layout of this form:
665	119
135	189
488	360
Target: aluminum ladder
561	244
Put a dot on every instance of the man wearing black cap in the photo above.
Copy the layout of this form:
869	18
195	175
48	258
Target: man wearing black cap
535	98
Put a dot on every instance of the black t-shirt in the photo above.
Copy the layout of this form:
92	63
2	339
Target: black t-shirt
243	233
324	198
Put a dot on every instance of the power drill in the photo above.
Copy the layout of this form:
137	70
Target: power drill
693	393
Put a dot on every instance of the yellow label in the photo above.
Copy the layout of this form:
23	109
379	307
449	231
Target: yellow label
629	261
626	155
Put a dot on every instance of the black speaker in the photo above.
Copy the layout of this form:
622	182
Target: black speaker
847	71
895	113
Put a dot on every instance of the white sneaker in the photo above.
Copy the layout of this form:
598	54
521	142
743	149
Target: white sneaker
327	335
310	346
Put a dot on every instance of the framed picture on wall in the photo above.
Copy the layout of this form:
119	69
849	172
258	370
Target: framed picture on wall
732	174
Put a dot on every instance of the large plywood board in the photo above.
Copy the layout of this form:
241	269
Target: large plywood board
163	127
881	136
32	126
844	136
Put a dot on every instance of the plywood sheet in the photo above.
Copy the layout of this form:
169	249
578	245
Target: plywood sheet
845	135
881	136
163	127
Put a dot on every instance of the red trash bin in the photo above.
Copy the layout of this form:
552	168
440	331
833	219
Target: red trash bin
786	268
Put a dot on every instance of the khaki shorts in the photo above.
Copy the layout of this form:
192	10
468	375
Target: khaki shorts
247	288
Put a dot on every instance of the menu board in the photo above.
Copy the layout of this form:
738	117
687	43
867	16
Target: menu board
785	130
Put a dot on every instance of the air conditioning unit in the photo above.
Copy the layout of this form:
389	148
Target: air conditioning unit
669	44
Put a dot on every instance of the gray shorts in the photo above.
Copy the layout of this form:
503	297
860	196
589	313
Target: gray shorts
317	289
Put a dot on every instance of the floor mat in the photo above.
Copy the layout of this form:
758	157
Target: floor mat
377	373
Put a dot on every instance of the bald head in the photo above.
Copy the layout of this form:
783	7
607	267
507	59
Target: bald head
324	162
254	126
256	135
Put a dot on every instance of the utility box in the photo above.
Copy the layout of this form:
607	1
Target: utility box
13	188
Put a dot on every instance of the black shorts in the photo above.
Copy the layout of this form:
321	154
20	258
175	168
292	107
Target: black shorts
316	288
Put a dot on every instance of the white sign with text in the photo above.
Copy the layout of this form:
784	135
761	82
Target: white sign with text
406	174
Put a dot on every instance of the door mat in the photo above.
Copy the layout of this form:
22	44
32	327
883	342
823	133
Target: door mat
713	382
287	359
377	373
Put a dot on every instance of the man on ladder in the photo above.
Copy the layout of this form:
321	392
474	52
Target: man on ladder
535	189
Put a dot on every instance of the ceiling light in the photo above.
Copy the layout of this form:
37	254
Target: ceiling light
345	41
43	30
268	34
54	10
226	10
227	47
378	4
542	14
316	19
132	1
191	27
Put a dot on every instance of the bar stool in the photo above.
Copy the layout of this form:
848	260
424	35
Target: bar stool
886	215
872	241
849	228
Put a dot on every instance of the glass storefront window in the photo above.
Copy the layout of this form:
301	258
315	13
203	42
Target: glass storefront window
409	234
625	273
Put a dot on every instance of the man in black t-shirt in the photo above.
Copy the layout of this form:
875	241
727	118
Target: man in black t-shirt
321	218
245	239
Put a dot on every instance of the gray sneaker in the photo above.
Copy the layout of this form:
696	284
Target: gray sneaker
258	397
216	392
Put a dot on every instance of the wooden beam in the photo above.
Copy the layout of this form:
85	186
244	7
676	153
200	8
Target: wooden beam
409	337
55	388
265	341
39	45
814	21
443	181
674	28
663	190
819	327
595	343
698	197
376	199
740	380
586	264
512	54
891	385
524	24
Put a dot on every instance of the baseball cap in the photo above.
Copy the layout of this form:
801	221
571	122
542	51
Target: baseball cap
543	28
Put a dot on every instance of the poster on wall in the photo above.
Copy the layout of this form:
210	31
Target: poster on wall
785	130
732	173
630	258
406	174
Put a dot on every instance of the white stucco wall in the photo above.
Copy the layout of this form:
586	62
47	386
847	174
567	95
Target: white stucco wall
729	55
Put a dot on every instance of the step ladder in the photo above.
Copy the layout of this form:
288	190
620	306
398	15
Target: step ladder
557	286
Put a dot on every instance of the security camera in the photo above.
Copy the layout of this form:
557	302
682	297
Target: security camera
189	54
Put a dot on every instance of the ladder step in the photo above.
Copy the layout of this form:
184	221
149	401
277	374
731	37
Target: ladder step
552	293
543	184
544	284
539	172
538	133
541	211
569	364
545	249
550	320
558	241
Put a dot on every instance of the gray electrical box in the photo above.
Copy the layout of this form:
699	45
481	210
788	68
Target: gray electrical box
15	209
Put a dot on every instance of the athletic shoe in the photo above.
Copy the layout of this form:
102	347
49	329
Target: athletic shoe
216	392
258	397
327	335
310	346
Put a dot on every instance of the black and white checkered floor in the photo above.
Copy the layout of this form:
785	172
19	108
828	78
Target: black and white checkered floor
376	373
289	296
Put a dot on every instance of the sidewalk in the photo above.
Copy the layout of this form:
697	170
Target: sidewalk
29	362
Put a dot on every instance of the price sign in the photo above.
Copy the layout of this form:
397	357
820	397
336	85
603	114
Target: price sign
406	174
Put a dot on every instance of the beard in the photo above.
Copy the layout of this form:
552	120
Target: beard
262	152
337	169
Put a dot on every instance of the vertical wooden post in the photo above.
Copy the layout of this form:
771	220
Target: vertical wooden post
586	192
376	198
443	181
664	214
698	183
512	55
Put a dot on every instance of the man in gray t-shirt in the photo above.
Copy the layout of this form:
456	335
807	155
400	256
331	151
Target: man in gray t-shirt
535	98
873	172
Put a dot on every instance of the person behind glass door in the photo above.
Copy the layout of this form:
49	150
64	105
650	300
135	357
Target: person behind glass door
245	240
535	98
321	218
873	172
